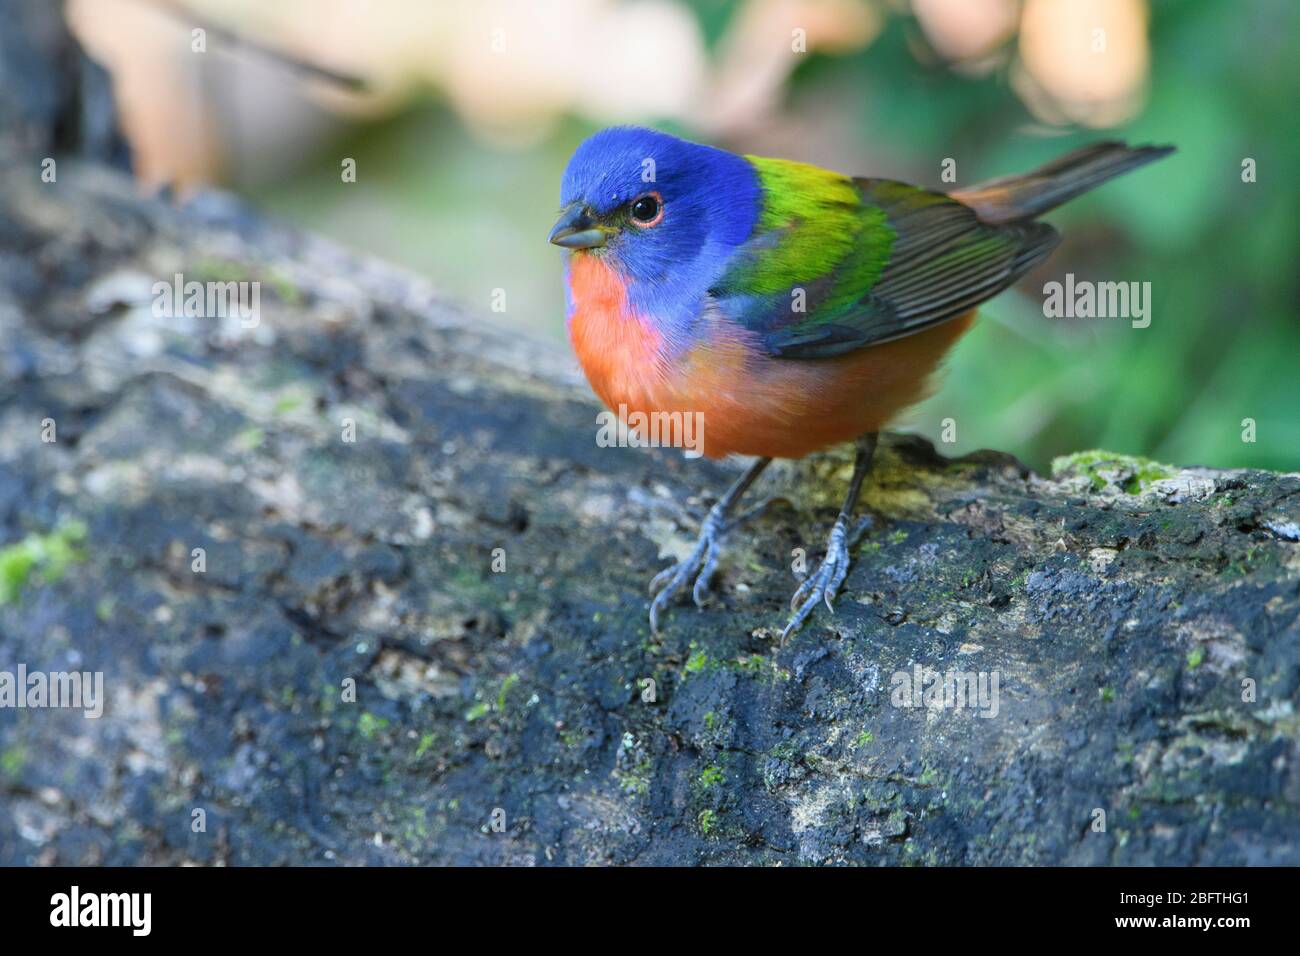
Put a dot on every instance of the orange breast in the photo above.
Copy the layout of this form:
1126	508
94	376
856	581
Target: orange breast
621	354
750	402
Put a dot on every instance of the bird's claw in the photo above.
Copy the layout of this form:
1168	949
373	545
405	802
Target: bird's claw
824	583
701	562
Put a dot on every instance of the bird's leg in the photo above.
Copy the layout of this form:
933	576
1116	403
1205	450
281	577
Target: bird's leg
703	558
823	583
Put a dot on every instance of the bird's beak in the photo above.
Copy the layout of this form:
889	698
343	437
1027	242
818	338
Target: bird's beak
577	230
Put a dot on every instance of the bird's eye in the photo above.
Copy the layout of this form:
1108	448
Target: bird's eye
647	210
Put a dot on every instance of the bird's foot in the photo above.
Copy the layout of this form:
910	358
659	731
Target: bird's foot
701	562
824	583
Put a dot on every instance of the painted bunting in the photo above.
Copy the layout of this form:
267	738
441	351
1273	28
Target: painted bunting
788	306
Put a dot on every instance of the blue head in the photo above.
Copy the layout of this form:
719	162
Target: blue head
664	213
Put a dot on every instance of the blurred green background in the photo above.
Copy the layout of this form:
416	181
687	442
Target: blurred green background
459	158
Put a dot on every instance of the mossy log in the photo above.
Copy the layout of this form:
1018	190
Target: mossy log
363	588
417	631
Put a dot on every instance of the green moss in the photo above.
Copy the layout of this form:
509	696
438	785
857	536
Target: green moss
697	662
1130	474
47	556
1106	693
216	269
506	685
1194	658
16	563
864	738
755	665
785	750
418	831
1257	558
251	438
711	776
288	403
636	781
105	607
369	725
470	582
425	743
284	287
12	761
484	707
750	664
708	819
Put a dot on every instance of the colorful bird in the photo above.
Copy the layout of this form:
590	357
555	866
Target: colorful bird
788	306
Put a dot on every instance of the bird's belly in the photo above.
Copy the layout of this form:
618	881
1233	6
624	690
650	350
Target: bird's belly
754	404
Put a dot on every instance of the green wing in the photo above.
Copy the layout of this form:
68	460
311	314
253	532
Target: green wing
837	264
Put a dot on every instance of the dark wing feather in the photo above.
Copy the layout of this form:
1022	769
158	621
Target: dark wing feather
942	261
945	260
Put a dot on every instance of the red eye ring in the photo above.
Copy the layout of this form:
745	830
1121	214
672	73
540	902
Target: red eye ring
655	217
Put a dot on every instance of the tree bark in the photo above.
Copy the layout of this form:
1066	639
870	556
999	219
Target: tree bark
364	589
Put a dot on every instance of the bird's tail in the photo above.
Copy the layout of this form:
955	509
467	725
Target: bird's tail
1029	195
